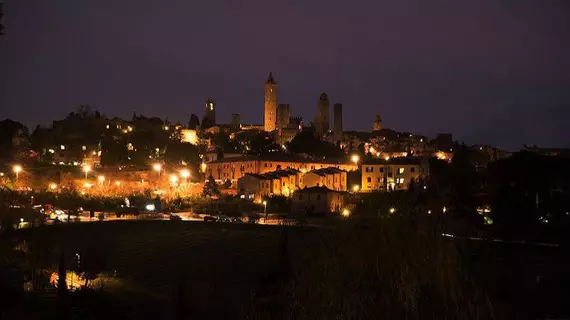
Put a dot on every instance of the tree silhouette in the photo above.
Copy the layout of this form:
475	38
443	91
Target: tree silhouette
210	188
62	274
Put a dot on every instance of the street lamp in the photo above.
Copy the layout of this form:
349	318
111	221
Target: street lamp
185	173
355	158
355	188
345	212
392	210
157	167
173	178
52	186
86	169
265	209
101	179
17	169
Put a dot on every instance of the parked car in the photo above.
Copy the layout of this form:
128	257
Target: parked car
223	219
236	220
211	219
174	217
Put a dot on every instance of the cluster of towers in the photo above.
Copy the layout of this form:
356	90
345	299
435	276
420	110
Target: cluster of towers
277	116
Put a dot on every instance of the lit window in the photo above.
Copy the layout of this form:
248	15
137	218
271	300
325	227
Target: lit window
401	170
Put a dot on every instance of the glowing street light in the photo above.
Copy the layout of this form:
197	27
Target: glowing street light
101	179
185	173
444	209
203	166
355	188
52	186
345	213
173	178
387	158
157	167
118	183
86	169
355	158
392	210
17	169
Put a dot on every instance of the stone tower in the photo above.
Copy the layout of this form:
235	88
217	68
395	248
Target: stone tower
236	122
209	119
337	121
283	112
322	119
378	123
270	118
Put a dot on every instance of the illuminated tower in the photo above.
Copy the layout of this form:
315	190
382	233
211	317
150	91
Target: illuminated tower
337	121
270	118
209	114
283	111
322	119
236	122
378	123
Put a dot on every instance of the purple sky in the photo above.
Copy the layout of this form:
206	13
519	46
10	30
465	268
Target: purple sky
489	71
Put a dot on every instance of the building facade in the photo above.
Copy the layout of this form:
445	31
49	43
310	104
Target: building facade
393	174
237	167
332	178
270	116
318	200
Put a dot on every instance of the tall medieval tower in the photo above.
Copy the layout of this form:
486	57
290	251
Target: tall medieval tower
209	119
322	118
270	119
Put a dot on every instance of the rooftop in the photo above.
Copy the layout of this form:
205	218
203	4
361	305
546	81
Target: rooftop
279	156
408	160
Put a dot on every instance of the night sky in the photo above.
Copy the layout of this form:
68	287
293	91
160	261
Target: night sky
493	71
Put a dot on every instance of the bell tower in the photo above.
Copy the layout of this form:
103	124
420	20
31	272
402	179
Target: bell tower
270	118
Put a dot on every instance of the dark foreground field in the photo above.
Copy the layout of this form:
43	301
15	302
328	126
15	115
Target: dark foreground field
236	271
218	266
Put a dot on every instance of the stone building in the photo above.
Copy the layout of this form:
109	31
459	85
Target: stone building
209	119
393	174
322	118
270	116
318	200
337	122
332	178
378	123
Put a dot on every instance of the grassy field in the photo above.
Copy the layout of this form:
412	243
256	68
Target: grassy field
219	265
227	269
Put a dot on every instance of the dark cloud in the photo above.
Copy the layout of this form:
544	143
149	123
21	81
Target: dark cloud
490	71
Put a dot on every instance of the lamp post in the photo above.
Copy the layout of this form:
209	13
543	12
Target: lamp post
265	209
86	169
17	169
185	173
355	158
157	167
